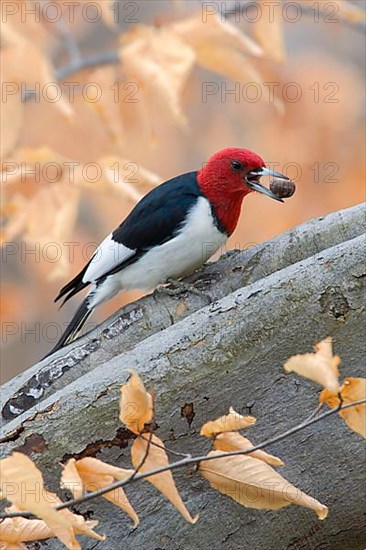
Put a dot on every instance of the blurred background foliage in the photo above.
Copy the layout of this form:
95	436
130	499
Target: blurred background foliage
146	90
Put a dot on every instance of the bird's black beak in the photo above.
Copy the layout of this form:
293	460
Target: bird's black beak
252	180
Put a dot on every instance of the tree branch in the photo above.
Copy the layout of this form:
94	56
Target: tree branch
137	321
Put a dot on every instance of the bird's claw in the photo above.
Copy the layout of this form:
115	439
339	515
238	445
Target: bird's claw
181	287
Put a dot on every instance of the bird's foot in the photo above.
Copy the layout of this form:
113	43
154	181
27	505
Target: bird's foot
181	286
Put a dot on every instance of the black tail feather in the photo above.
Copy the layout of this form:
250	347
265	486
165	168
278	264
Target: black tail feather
73	287
75	325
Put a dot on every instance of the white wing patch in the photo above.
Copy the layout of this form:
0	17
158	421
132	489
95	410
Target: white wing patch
107	256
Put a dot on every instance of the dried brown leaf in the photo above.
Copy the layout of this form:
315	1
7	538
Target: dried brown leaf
58	203
10	123
36	74
94	474
71	480
136	404
232	441
224	49
107	108
17	472
157	458
228	423
126	177
254	484
59	206
159	61
22	485
353	389
268	31
10	36
14	531
321	366
16	213
203	33
79	524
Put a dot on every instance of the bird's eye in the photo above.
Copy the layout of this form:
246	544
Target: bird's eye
237	165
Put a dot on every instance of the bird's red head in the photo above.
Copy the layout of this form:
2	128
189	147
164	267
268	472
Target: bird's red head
228	177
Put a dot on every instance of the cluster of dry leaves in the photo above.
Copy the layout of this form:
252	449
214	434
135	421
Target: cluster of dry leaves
159	61
250	479
51	192
322	367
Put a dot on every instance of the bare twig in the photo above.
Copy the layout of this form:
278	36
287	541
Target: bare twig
86	62
314	413
189	461
176	453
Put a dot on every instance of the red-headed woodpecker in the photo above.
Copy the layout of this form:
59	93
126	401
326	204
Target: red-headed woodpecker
173	230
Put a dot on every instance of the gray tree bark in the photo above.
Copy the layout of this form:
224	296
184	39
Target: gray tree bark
270	302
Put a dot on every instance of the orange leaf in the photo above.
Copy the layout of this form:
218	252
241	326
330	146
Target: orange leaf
164	481
228	423
136	404
353	389
126	177
254	484
232	441
22	484
210	32
220	47
107	108
10	122
71	480
79	525
160	62
321	366
14	531
93	474
59	207
268	30
37	73
17	218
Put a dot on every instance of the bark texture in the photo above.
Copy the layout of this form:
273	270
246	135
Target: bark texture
270	302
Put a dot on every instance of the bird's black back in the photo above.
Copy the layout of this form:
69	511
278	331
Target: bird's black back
159	214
